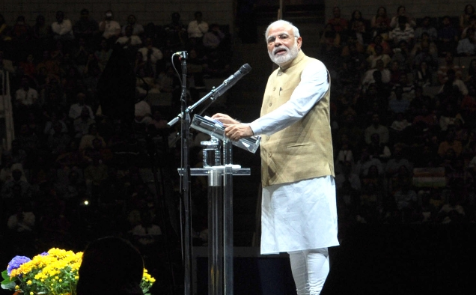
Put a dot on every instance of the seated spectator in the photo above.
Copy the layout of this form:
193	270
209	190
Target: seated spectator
23	218
58	140
378	150
55	124
449	64
339	24
399	127
464	19
196	29
426	41
128	39
103	54
402	12
80	54
358	27
369	76
16	189
450	143
8	165
26	96
467	46
378	40
345	153
402	54
87	139
423	77
76	109
40	32
27	66
424	54
352	41
175	33
378	55
366	161
347	175
28	139
448	37
217	65
110	28
83	123
381	23
397	161
472	25
147	232
449	115
426	28
110	266
330	41
452	81
213	38
405	197
402	32
62	28
378	128
21	32
136	28
451	212
150	53
351	129
94	174
397	103
85	27
408	88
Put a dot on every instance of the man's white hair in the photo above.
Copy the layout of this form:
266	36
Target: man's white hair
282	22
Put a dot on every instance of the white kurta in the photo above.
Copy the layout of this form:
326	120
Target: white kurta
300	215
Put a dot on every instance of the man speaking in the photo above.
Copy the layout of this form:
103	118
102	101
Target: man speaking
299	214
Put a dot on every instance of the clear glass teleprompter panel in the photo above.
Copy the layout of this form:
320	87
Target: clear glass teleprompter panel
215	128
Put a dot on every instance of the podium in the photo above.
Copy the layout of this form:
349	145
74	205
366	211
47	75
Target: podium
219	169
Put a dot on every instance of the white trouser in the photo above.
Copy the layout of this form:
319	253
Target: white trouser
310	269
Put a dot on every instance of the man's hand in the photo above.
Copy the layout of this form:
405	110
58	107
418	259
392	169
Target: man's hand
225	119
237	131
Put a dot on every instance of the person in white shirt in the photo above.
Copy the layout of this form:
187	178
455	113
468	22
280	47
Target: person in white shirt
137	29
129	39
109	27
76	109
26	96
197	28
150	53
62	28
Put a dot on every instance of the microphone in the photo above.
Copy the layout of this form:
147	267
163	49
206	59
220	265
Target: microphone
228	83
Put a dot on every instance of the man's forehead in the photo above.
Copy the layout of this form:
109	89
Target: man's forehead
280	29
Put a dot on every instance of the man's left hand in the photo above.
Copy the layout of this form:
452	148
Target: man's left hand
237	131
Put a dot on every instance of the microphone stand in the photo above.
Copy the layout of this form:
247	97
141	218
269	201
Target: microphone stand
185	182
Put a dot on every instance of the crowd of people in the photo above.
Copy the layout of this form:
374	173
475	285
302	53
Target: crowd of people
73	172
403	121
404	97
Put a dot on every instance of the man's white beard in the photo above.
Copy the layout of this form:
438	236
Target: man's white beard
291	53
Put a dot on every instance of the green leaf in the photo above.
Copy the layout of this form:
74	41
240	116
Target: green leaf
8	285
5	275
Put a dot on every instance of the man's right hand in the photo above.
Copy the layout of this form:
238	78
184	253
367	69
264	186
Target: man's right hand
225	119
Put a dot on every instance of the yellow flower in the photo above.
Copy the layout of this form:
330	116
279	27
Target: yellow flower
29	282
17	287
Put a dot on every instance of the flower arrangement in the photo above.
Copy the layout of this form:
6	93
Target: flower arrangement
51	273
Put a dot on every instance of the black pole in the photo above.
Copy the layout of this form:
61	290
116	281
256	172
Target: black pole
186	182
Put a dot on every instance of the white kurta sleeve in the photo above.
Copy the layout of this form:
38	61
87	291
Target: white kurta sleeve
313	86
